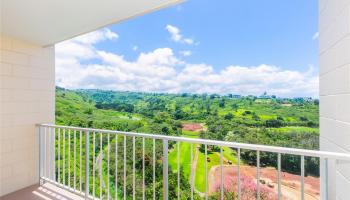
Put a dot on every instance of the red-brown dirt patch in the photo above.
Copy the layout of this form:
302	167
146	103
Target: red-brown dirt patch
290	183
192	127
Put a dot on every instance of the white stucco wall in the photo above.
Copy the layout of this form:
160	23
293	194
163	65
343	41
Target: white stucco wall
27	95
334	27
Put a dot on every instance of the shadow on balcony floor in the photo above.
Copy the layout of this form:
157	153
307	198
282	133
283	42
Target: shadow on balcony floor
45	192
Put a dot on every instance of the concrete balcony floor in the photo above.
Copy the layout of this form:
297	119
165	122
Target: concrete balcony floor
46	191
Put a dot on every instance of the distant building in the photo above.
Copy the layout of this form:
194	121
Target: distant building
308	99
264	96
236	96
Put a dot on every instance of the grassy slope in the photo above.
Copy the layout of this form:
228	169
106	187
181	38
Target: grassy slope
185	160
73	109
214	160
185	154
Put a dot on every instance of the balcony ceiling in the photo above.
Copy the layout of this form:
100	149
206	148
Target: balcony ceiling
46	22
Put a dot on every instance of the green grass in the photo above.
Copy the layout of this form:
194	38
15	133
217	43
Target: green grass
297	129
185	154
229	154
190	134
185	159
214	157
200	170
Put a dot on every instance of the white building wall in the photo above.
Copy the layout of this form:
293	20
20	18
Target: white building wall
334	27
27	97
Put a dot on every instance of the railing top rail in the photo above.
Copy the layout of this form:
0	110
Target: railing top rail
255	147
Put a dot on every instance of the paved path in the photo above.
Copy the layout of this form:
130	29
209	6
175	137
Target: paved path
98	166
193	176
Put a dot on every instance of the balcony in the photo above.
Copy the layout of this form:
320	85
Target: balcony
27	97
82	163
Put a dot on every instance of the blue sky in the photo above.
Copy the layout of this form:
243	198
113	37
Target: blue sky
243	32
206	42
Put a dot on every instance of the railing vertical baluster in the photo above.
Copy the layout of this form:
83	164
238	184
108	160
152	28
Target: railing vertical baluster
40	154
75	157
206	170
108	158
222	175
124	185
133	169
302	174
64	157
87	165
59	155
154	169
49	153
258	175
52	144
279	176
325	178
116	167
100	164
69	143
80	161
143	168
44	155
94	165
192	178
53	141
239	172
165	170
178	170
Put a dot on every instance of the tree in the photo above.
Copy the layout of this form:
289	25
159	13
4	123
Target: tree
273	123
222	103
229	116
234	107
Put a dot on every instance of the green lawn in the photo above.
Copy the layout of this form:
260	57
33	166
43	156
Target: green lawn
190	134
214	158
185	154
297	129
185	159
200	170
229	154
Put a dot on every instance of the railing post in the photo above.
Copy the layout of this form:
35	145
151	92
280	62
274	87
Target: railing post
324	179
302	174
165	169
86	164
239	173
53	149
40	153
279	196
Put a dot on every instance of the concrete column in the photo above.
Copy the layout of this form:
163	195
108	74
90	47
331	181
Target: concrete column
334	27
27	97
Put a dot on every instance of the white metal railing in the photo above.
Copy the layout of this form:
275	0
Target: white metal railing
52	145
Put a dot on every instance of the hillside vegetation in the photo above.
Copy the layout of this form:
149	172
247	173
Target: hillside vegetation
270	121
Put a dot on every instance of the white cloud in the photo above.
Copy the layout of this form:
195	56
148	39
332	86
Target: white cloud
188	41
96	36
316	36
174	32
135	48
185	53
161	70
176	35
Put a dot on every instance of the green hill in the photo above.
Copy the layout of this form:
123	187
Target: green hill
280	122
